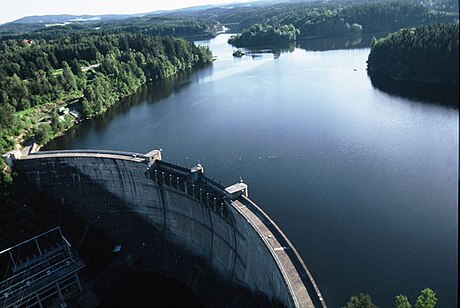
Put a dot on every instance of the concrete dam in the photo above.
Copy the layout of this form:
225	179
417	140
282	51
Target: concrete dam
175	221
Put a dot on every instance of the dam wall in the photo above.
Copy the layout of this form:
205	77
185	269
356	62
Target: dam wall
176	221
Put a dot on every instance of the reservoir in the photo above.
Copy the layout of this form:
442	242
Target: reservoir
363	182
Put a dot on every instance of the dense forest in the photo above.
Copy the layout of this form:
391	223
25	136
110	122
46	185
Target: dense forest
317	19
425	53
259	34
88	73
186	27
311	18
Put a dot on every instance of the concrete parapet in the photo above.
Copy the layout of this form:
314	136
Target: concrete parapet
154	155
11	156
234	191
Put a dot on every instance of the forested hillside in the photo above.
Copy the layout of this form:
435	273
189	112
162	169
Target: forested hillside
334	19
425	53
311	18
186	27
315	19
90	71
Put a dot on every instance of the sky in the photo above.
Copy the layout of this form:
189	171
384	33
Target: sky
14	9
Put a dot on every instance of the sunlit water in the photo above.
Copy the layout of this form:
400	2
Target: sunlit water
363	183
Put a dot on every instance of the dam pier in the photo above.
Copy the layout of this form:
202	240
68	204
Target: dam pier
176	221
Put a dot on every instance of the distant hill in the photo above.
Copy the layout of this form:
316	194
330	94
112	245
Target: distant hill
66	18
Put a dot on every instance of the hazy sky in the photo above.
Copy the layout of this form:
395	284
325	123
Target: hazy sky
13	9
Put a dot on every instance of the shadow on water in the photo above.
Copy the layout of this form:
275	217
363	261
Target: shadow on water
316	44
276	50
439	94
150	93
354	42
336	43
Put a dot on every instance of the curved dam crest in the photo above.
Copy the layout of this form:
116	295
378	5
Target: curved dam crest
178	222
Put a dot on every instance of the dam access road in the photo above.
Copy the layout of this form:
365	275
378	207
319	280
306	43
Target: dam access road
213	239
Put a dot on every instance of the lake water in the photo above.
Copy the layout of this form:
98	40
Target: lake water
363	183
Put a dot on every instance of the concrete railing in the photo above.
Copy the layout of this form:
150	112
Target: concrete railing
275	257
296	259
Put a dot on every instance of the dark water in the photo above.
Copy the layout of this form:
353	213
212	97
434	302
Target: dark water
364	183
143	289
446	94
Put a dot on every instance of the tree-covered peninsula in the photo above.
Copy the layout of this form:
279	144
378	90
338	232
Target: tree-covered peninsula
340	18
422	54
45	85
283	23
258	35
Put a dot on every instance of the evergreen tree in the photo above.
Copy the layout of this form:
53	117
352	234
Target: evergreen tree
402	301
69	82
360	301
427	299
76	67
6	116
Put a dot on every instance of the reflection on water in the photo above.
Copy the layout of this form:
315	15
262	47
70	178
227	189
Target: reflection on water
338	43
259	51
318	44
152	92
444	94
363	183
347	42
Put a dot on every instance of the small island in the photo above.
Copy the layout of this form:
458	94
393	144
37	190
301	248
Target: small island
238	53
259	35
426	54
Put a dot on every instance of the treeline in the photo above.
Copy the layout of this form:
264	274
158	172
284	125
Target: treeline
165	25
312	19
425	53
186	27
426	299
259	34
394	15
317	19
92	70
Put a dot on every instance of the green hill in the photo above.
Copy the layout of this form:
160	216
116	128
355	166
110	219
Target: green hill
425	53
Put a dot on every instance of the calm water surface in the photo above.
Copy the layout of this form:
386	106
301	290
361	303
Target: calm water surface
362	182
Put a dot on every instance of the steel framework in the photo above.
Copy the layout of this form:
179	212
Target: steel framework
40	271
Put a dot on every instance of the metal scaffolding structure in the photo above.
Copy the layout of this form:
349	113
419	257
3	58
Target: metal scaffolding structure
40	271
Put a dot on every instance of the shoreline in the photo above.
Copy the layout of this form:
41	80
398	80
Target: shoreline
443	94
25	147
